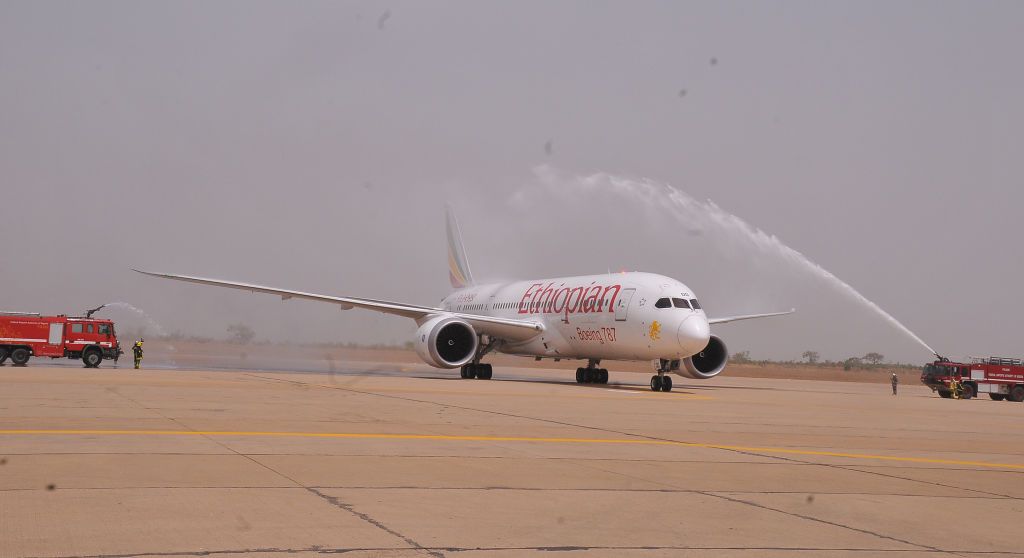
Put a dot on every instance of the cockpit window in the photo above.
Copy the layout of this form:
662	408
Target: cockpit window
695	304
680	303
663	303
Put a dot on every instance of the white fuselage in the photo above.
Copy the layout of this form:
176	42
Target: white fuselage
610	316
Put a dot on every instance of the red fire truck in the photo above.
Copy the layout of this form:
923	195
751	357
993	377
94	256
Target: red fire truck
24	335
1001	378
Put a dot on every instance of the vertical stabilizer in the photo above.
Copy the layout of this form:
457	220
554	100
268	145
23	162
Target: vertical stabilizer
458	265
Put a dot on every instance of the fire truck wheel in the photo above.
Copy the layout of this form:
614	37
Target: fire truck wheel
1017	394
19	356
968	392
92	358
3	354
997	396
945	394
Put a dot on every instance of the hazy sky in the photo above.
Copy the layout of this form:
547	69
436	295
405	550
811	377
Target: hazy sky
312	145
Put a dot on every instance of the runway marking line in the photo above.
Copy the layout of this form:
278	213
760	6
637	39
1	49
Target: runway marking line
441	437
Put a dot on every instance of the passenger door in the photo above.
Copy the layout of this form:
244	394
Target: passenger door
622	304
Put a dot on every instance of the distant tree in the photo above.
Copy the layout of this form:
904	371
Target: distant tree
740	357
874	358
811	356
241	333
851	363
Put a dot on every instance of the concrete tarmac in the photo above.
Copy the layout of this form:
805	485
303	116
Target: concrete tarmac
415	462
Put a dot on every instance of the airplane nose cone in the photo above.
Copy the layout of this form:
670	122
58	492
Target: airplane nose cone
694	334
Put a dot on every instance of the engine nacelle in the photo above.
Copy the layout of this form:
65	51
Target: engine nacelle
446	342
707	363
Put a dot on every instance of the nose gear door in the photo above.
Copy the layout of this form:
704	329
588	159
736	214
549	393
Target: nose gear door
622	304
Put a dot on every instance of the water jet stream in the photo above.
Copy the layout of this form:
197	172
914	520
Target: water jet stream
689	213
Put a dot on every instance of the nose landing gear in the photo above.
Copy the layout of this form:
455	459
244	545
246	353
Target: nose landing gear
661	382
592	374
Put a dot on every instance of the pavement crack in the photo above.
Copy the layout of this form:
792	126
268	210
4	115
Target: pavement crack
329	499
646	437
506	549
335	501
826	522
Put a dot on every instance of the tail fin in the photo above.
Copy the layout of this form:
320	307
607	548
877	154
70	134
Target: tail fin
458	265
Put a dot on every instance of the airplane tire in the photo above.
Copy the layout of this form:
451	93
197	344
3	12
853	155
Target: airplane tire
603	373
666	383
1016	394
655	383
470	371
996	396
579	375
484	372
19	356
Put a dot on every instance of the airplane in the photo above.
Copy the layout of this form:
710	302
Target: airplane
628	316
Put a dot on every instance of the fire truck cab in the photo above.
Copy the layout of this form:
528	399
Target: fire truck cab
1001	378
24	335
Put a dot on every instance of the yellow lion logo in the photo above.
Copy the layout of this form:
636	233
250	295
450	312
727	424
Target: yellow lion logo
655	332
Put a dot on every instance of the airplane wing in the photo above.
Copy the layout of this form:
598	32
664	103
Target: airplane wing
713	321
504	328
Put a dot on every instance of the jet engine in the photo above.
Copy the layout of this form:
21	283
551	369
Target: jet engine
707	363
446	342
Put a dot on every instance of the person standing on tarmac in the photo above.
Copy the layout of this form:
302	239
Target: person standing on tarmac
895	382
137	352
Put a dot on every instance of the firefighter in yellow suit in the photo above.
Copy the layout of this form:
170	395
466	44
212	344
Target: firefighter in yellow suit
956	389
137	353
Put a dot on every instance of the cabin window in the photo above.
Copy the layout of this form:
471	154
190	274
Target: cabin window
663	303
695	304
76	328
680	303
104	329
89	328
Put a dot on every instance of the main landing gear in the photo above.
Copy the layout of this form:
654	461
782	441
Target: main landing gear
592	374
481	371
661	382
477	369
